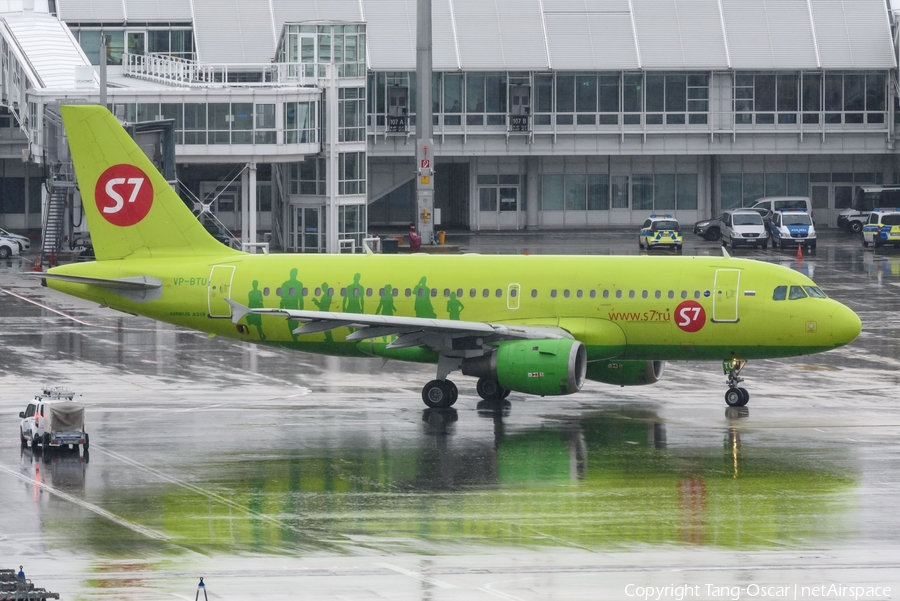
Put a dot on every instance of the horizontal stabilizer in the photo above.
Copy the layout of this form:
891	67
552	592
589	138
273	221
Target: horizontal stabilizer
141	282
141	288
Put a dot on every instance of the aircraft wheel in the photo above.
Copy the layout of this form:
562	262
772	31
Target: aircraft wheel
733	397
489	390
505	393
745	397
437	394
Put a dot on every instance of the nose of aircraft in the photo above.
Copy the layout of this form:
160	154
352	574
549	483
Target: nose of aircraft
846	325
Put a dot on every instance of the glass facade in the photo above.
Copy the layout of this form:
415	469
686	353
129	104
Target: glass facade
227	123
171	41
614	101
312	47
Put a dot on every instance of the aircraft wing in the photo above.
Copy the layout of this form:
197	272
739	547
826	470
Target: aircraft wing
437	334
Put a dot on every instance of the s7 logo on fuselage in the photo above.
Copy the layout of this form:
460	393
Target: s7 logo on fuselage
690	316
124	195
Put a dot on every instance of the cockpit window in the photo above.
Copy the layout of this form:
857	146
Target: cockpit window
797	292
780	293
814	292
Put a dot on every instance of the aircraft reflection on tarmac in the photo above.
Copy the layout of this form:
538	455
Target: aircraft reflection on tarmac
598	481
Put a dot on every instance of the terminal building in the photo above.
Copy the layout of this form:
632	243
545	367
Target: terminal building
293	120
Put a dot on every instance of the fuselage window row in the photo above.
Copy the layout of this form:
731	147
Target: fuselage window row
780	293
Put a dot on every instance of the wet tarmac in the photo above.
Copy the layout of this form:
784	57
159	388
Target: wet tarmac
278	475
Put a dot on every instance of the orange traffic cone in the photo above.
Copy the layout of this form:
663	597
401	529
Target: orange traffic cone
799	252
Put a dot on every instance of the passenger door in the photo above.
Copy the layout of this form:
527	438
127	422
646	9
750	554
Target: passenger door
219	290
725	296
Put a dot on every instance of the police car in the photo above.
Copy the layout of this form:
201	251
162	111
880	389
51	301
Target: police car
792	228
882	227
660	231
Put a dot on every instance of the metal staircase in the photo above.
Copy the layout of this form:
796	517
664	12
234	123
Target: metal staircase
54	224
60	187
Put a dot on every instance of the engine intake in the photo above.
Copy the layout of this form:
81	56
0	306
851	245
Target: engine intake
543	367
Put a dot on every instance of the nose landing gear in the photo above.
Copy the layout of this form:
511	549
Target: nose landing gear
735	396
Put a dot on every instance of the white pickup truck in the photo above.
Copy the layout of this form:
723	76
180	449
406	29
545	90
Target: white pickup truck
53	420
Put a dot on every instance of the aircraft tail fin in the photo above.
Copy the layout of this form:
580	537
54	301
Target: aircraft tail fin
132	210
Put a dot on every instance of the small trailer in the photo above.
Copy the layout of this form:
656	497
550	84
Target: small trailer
54	419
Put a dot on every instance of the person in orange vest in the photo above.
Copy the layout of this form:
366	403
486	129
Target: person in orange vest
415	242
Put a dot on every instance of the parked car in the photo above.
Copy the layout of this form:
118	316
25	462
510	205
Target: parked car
709	229
743	227
792	228
8	247
882	227
53	420
23	241
660	231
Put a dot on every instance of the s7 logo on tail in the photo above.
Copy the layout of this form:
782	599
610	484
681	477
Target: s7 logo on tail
123	195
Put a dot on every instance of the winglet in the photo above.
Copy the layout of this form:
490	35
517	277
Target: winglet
725	253
238	310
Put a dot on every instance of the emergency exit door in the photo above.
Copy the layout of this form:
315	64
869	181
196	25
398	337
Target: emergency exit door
725	296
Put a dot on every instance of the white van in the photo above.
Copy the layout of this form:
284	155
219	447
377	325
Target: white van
743	227
784	203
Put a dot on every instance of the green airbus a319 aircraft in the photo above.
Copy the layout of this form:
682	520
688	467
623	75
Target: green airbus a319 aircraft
533	324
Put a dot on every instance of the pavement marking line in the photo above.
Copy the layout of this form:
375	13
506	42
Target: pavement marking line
89	506
198	490
416	575
487	589
72	317
43	306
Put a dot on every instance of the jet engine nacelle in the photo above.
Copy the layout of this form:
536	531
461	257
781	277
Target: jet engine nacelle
542	367
626	373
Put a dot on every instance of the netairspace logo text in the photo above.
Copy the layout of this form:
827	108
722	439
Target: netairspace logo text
758	591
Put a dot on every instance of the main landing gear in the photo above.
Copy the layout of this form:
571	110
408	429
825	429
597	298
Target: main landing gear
490	390
440	394
735	396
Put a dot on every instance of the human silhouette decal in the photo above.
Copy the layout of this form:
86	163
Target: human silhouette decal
423	306
255	301
386	304
292	298
354	301
454	306
324	304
